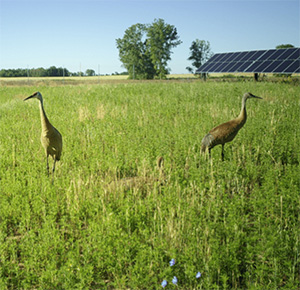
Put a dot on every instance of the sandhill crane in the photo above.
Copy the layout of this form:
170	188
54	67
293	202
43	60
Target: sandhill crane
226	132
139	181
51	139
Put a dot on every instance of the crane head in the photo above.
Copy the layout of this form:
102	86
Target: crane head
249	95
36	95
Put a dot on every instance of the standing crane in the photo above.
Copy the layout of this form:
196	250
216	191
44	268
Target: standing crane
51	139
226	132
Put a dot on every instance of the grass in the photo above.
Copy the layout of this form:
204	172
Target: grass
237	221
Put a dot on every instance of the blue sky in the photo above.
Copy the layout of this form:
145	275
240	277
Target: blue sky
81	34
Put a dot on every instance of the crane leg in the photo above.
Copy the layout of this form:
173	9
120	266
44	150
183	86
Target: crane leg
222	152
48	164
53	169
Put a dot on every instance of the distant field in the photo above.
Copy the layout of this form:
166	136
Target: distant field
115	79
76	80
237	221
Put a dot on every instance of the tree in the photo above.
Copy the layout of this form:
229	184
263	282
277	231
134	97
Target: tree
145	50
90	72
284	46
38	72
52	71
199	53
162	38
133	52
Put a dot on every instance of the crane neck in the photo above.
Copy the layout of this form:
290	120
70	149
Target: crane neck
46	126
243	114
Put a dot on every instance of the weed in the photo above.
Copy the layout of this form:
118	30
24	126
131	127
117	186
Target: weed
237	221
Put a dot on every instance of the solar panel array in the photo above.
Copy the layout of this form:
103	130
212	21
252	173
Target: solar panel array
260	61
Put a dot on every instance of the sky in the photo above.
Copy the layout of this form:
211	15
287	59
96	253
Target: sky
81	34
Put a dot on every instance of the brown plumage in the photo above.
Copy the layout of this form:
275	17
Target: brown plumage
226	132
51	139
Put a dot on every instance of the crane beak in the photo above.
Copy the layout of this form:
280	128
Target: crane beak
28	98
252	96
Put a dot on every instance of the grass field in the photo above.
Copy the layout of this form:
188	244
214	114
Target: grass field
237	221
84	80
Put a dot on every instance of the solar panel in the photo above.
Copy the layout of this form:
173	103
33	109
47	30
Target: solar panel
256	55
226	67
268	54
254	66
234	56
215	57
234	67
294	67
242	55
246	55
258	61
244	66
287	53
295	54
262	66
283	66
275	55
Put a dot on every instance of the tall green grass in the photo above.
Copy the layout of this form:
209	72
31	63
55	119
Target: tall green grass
237	221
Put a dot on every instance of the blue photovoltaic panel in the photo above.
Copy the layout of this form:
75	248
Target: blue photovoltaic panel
225	56
294	55
268	54
227	67
205	66
284	66
234	56
254	66
273	65
209	66
235	67
246	55
215	57
244	66
288	53
215	66
259	61
294	67
262	66
275	55
256	55
241	55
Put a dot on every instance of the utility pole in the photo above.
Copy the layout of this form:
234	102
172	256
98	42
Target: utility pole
133	76
99	73
27	75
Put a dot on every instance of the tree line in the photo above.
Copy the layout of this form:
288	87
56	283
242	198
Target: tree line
42	72
35	72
